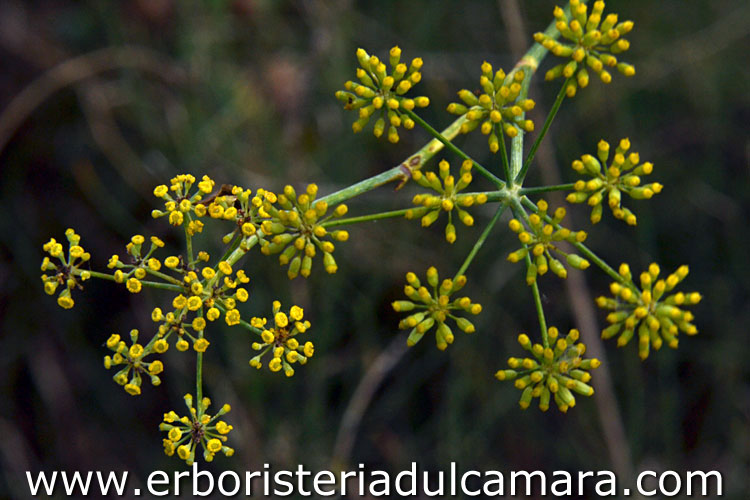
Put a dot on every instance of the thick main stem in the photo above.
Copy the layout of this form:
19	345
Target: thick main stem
516	145
401	172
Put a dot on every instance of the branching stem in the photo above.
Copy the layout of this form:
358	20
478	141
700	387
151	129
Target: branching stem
448	144
481	240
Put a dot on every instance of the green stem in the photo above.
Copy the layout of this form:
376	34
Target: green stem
547	122
448	144
480	241
546	189
520	213
502	195
529	63
504	154
537	52
150	284
366	218
199	372
401	172
516	145
600	263
245	245
585	250
539	308
188	241
163	276
232	247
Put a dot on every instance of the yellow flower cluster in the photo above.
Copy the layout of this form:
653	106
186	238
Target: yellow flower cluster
134	366
245	209
67	272
180	205
281	340
594	43
448	198
140	264
208	292
623	175
541	240
433	308
295	230
383	93
656	314
556	371
185	434
499	109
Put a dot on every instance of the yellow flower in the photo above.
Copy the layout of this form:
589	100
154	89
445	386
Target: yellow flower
161	346
132	389
65	301
133	285
161	191
201	345
296	313
176	218
225	267
232	317
213	445
179	302
156	367
213	314
194	303
174	434
156	315
281	320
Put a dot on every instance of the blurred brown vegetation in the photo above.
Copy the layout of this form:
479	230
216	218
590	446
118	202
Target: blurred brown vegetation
100	101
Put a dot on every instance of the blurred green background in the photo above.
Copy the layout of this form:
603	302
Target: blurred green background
100	101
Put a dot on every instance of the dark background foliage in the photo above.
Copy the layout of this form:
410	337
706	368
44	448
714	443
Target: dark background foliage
243	90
